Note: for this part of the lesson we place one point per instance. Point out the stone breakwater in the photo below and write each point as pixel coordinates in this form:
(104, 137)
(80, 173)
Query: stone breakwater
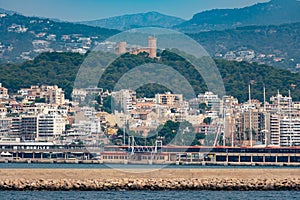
(152, 184)
(151, 179)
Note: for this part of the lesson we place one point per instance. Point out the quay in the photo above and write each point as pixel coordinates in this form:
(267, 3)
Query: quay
(47, 152)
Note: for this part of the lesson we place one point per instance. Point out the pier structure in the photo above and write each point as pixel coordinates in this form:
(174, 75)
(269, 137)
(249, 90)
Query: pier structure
(49, 152)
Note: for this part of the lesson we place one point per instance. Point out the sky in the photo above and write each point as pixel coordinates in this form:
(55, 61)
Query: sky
(81, 10)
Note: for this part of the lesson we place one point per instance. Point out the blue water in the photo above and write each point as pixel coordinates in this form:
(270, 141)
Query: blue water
(145, 195)
(118, 166)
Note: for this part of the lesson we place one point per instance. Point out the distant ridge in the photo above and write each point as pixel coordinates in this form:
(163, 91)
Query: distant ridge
(130, 21)
(274, 12)
(7, 11)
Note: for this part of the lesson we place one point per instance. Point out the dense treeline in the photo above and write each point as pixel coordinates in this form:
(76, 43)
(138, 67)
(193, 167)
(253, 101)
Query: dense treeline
(62, 68)
(47, 68)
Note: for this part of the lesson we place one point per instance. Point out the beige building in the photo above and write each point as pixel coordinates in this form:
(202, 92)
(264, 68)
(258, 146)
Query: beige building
(169, 99)
(3, 92)
(54, 95)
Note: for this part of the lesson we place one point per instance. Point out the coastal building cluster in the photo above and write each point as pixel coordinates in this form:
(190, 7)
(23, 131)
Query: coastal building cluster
(42, 113)
(249, 55)
(45, 40)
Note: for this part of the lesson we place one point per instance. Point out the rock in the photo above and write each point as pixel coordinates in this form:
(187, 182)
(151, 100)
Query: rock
(152, 184)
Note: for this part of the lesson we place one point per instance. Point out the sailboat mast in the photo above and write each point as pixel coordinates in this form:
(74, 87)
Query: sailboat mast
(250, 120)
(265, 116)
(279, 116)
(290, 120)
(224, 122)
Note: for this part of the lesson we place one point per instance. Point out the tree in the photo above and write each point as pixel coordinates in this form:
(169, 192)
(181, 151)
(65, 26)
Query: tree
(106, 107)
(40, 100)
(207, 120)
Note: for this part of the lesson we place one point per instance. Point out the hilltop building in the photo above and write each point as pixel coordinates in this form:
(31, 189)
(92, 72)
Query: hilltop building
(122, 48)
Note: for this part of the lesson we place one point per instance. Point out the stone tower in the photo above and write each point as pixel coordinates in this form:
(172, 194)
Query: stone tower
(152, 46)
(120, 48)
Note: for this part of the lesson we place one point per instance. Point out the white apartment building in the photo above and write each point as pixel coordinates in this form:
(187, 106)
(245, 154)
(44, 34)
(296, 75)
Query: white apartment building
(50, 126)
(86, 127)
(41, 127)
(290, 132)
(126, 99)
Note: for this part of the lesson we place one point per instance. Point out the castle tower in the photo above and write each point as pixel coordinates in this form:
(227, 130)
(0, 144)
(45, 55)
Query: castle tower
(152, 47)
(120, 48)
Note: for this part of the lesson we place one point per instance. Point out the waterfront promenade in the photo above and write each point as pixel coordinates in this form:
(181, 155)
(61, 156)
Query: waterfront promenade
(150, 179)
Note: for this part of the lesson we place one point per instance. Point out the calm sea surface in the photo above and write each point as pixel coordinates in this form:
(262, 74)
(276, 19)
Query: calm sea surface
(144, 195)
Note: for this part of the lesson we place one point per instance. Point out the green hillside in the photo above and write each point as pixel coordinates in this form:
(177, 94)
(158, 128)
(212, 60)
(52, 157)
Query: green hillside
(61, 69)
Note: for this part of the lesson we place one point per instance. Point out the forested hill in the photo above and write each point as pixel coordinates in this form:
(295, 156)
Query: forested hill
(274, 12)
(61, 69)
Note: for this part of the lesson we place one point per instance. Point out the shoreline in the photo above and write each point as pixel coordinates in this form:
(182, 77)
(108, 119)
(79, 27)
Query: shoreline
(145, 179)
(203, 163)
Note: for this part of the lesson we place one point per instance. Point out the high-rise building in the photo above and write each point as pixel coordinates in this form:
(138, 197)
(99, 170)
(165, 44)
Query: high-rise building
(50, 126)
(29, 127)
(5, 124)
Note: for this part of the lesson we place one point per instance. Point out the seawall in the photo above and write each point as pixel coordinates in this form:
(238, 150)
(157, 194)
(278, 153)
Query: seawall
(137, 179)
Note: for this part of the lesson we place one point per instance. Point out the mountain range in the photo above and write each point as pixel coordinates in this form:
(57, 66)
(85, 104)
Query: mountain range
(274, 12)
(125, 22)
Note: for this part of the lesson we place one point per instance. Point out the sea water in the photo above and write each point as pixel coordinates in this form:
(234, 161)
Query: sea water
(145, 195)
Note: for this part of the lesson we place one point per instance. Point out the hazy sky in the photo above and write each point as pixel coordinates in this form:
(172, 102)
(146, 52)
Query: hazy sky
(77, 10)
